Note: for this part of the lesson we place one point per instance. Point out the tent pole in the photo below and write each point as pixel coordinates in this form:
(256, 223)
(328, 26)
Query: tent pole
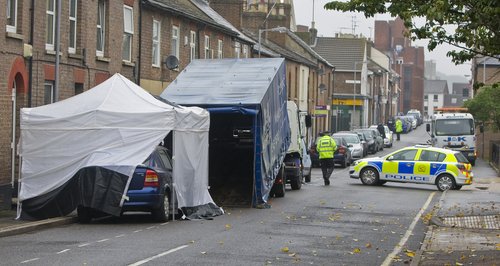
(19, 204)
(172, 191)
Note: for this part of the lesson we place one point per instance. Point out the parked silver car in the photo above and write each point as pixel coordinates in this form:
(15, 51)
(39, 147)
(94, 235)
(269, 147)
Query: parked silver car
(352, 139)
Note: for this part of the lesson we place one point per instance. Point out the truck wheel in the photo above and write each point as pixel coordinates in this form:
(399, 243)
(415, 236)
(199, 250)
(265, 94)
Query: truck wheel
(296, 183)
(369, 176)
(84, 214)
(307, 178)
(163, 213)
(445, 182)
(279, 190)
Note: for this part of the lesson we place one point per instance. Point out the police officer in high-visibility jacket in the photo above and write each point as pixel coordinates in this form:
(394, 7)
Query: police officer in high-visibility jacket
(326, 147)
(399, 128)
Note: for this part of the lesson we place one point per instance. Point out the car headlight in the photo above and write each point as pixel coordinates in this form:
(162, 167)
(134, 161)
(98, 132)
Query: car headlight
(356, 163)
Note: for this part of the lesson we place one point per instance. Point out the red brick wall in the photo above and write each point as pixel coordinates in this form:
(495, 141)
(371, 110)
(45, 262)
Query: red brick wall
(231, 10)
(382, 35)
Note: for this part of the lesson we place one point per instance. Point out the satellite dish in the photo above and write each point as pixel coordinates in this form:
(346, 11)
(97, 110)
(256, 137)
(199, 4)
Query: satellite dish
(171, 62)
(322, 87)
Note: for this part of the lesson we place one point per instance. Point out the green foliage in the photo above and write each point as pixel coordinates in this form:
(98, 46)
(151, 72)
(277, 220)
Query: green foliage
(477, 23)
(484, 106)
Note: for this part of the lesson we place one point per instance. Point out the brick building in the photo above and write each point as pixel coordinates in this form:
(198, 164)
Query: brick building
(97, 39)
(408, 61)
(309, 76)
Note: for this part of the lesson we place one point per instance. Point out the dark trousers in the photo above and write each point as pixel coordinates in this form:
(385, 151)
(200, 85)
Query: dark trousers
(327, 166)
(398, 133)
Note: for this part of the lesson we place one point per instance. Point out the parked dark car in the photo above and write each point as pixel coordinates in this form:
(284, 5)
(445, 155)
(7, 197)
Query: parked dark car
(313, 153)
(370, 139)
(149, 189)
(342, 155)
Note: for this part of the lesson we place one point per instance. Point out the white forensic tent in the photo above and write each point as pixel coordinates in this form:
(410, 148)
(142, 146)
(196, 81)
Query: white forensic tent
(115, 125)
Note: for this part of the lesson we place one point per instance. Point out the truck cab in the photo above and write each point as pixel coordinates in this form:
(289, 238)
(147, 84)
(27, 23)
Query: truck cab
(454, 130)
(296, 168)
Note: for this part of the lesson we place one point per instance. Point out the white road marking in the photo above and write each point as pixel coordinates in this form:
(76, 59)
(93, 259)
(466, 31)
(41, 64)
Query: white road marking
(62, 251)
(26, 261)
(164, 223)
(103, 240)
(137, 231)
(83, 245)
(158, 256)
(403, 240)
(122, 235)
(151, 227)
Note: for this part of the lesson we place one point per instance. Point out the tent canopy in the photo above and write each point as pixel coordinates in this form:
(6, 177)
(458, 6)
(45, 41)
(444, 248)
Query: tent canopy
(115, 125)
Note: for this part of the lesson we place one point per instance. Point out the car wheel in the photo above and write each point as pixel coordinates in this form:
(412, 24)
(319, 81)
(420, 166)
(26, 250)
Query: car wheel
(163, 213)
(84, 214)
(296, 183)
(344, 163)
(369, 176)
(445, 182)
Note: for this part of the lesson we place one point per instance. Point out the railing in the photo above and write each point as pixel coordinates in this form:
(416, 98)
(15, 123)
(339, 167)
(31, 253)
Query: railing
(495, 154)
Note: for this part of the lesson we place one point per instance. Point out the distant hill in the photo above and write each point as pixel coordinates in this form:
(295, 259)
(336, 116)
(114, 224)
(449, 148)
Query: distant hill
(451, 79)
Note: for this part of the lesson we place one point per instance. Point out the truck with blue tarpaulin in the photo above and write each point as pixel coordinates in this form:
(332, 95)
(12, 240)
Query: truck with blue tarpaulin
(249, 128)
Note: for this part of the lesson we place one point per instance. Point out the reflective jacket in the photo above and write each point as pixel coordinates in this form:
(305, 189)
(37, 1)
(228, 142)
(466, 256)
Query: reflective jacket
(326, 147)
(399, 126)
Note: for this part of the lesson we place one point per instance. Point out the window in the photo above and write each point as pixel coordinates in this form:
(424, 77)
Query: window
(426, 97)
(406, 155)
(128, 33)
(220, 49)
(156, 43)
(432, 156)
(245, 51)
(207, 47)
(453, 100)
(11, 16)
(435, 97)
(192, 46)
(72, 26)
(49, 92)
(175, 41)
(78, 88)
(237, 49)
(50, 25)
(101, 28)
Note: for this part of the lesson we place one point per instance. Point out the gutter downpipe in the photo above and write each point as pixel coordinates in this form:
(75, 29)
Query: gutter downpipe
(30, 60)
(140, 45)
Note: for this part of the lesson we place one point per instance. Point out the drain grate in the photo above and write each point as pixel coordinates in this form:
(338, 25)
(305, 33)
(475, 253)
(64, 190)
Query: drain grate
(474, 222)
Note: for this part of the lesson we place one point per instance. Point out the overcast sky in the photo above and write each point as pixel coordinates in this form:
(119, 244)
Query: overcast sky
(329, 22)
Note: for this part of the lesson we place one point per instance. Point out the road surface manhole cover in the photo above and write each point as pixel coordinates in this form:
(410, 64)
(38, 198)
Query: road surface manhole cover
(475, 222)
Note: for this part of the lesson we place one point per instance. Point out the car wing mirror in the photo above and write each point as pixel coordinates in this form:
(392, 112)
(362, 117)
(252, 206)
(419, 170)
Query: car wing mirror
(390, 158)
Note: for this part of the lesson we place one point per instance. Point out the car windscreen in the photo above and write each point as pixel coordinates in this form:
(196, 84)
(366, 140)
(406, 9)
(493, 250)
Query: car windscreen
(350, 139)
(454, 127)
(368, 135)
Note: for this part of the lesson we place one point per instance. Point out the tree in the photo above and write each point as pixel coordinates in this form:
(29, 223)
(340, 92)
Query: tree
(477, 22)
(484, 106)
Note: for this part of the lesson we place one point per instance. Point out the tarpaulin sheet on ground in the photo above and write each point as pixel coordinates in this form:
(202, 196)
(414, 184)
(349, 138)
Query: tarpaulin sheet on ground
(112, 127)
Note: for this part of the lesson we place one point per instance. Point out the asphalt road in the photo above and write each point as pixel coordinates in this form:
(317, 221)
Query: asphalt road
(346, 223)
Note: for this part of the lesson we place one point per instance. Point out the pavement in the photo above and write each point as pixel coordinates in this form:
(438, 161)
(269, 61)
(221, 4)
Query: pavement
(461, 231)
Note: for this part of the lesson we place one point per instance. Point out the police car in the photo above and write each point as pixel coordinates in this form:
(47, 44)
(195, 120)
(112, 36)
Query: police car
(422, 164)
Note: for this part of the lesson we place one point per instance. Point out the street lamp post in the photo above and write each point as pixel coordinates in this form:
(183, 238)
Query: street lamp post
(354, 96)
(333, 95)
(277, 29)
